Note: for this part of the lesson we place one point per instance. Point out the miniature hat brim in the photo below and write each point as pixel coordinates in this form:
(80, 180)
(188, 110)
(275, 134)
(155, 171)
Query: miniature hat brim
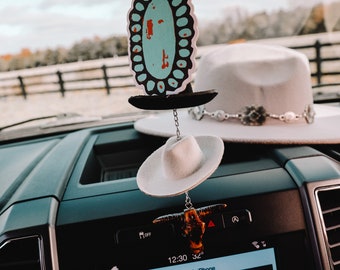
(172, 101)
(152, 181)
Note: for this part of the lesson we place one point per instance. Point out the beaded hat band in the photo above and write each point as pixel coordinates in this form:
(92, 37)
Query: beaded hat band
(253, 115)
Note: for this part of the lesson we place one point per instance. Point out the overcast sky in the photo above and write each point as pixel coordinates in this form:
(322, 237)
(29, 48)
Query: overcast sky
(41, 24)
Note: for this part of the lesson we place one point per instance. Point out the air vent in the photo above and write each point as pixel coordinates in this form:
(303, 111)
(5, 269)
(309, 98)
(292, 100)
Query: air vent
(329, 202)
(119, 173)
(21, 253)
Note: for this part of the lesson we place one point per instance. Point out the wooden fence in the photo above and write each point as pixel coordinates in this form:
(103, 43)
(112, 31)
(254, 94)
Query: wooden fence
(107, 77)
(319, 59)
(103, 77)
(325, 70)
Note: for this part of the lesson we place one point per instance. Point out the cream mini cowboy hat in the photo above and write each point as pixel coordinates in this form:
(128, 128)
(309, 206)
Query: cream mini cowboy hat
(180, 165)
(264, 96)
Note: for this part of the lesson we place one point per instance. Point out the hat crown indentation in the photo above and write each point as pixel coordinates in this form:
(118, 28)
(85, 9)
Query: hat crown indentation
(181, 158)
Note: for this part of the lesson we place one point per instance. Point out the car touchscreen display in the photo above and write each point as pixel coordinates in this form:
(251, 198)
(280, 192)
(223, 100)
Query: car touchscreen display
(259, 260)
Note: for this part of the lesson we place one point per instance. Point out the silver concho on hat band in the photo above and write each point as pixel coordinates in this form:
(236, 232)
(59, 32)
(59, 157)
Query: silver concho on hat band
(253, 115)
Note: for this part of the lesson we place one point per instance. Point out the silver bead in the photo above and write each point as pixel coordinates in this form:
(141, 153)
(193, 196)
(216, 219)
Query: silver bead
(219, 115)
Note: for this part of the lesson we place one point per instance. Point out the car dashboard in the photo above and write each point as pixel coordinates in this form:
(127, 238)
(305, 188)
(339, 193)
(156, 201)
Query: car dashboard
(71, 201)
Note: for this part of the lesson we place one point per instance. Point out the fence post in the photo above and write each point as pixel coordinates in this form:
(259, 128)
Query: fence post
(106, 79)
(61, 83)
(22, 87)
(318, 59)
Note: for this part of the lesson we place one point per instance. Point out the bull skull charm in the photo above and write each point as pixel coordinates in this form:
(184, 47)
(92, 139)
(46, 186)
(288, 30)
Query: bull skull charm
(193, 227)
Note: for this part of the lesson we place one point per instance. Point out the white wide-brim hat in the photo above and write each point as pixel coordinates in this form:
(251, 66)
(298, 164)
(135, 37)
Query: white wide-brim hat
(180, 165)
(264, 96)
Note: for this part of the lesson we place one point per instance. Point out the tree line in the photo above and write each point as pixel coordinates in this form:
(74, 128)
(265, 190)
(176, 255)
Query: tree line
(237, 24)
(87, 49)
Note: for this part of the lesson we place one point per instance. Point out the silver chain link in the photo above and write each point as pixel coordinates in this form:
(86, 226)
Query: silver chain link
(178, 133)
(188, 203)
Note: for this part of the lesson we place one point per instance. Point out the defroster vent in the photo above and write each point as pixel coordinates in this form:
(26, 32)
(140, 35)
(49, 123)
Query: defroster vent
(329, 202)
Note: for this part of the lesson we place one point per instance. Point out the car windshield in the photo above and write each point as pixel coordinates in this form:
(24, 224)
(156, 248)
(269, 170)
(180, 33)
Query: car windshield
(69, 59)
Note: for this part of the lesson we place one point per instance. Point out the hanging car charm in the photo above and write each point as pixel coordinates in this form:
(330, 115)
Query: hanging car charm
(162, 46)
(193, 228)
